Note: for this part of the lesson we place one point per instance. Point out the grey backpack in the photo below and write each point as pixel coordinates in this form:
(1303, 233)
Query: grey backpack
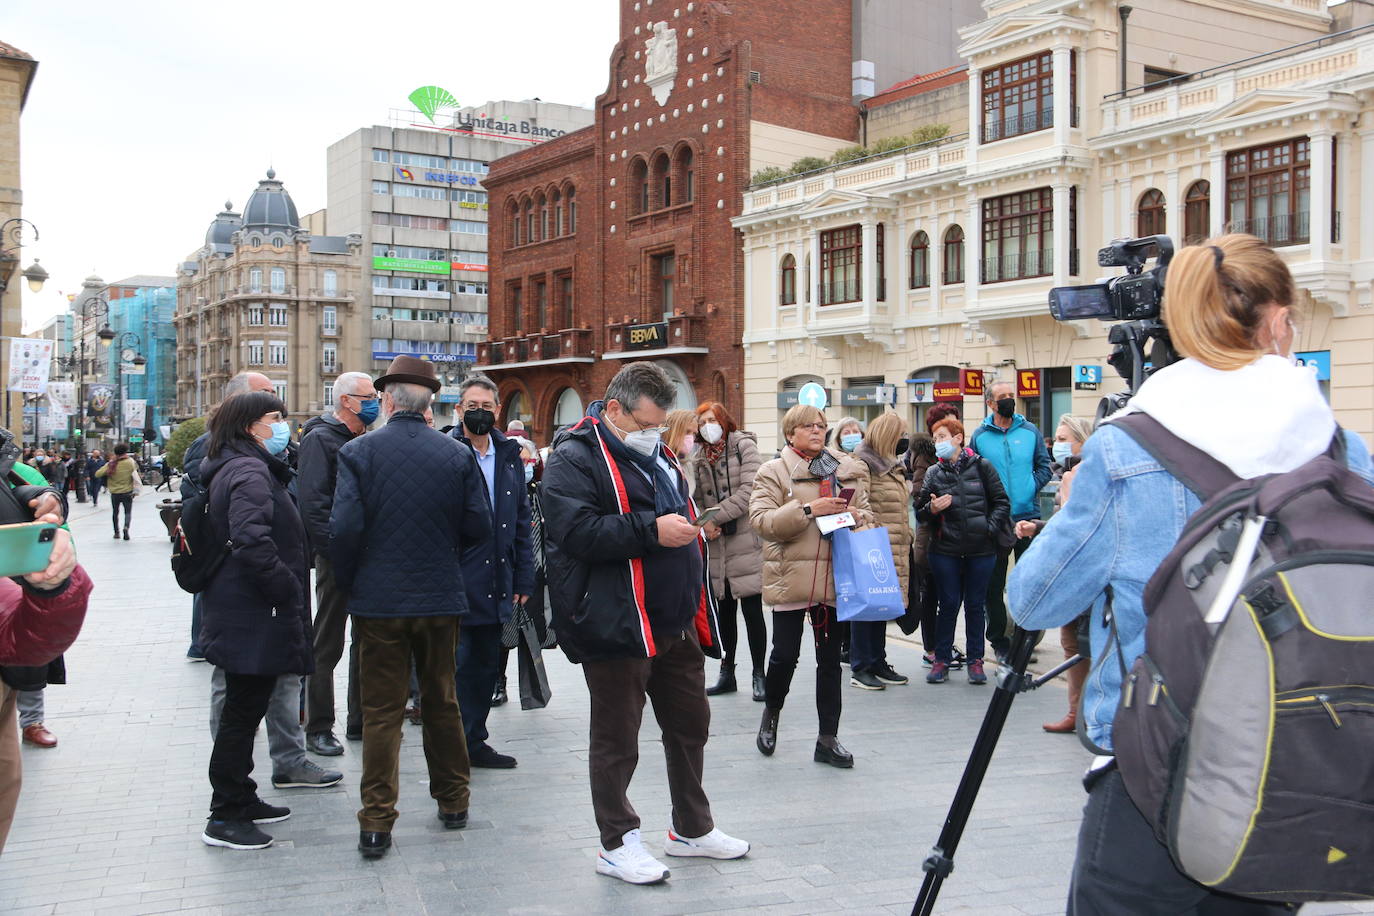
(1245, 733)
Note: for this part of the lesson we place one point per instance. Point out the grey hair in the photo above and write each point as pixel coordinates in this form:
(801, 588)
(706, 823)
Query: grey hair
(346, 380)
(845, 421)
(642, 380)
(239, 384)
(480, 381)
(987, 394)
(1079, 427)
(408, 397)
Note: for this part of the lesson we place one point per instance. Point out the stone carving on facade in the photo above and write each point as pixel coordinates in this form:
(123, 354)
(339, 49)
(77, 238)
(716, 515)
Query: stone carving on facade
(660, 61)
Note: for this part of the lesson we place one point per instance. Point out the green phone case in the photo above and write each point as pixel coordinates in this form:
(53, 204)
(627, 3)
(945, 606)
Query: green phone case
(25, 548)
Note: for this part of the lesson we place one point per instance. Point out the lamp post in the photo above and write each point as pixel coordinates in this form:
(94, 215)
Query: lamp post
(94, 307)
(129, 353)
(12, 231)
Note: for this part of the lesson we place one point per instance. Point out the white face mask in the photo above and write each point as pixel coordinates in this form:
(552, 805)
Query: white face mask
(711, 432)
(1291, 356)
(644, 441)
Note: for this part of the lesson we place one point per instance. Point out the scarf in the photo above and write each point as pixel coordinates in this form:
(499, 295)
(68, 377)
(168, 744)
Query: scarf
(714, 451)
(667, 497)
(823, 465)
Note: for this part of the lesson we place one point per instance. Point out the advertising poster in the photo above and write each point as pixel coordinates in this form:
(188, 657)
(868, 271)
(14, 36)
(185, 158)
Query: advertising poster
(30, 361)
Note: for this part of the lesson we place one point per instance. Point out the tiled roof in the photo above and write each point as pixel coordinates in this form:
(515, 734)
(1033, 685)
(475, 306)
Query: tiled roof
(9, 50)
(921, 81)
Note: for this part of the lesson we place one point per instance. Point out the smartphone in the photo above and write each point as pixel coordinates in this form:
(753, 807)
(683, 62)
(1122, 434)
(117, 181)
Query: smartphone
(847, 494)
(707, 515)
(25, 548)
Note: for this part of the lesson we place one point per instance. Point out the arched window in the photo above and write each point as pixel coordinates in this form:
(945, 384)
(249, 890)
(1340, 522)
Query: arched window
(542, 204)
(639, 187)
(568, 410)
(686, 175)
(1149, 214)
(663, 182)
(529, 223)
(559, 227)
(572, 209)
(954, 255)
(788, 286)
(1197, 212)
(919, 273)
(513, 219)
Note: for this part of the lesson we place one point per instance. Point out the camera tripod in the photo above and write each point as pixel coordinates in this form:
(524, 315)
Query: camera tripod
(1011, 680)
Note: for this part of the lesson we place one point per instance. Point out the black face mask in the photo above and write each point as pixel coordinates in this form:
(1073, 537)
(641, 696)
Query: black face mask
(1006, 408)
(478, 421)
(903, 444)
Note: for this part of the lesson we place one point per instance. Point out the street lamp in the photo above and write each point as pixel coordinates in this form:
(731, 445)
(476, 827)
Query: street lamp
(93, 307)
(13, 229)
(128, 341)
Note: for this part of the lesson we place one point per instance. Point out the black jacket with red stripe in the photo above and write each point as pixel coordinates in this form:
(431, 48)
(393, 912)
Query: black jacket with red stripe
(601, 541)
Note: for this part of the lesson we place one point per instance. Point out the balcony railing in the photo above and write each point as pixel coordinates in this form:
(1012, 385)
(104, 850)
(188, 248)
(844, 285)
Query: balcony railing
(1025, 123)
(1018, 266)
(1278, 231)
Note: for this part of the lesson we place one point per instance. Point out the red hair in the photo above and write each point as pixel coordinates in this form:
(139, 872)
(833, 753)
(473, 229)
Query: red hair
(727, 422)
(939, 412)
(950, 423)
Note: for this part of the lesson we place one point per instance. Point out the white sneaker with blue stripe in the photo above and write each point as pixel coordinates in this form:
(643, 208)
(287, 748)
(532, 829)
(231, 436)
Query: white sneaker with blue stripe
(714, 845)
(631, 862)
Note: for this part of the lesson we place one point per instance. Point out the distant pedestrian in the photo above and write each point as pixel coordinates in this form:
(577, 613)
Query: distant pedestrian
(94, 462)
(121, 476)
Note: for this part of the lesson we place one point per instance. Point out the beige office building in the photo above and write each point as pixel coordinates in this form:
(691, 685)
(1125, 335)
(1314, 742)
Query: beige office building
(16, 76)
(882, 280)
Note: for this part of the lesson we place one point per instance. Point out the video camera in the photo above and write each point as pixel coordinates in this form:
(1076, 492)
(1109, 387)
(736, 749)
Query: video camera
(15, 492)
(1134, 300)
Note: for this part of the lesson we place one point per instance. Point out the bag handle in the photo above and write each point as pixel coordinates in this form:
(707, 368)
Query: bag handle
(1194, 468)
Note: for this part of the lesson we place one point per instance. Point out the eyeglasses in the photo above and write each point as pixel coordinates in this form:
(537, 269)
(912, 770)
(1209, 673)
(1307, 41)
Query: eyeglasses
(817, 426)
(646, 429)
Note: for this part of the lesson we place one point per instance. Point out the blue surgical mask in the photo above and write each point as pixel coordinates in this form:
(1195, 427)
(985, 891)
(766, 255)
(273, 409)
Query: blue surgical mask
(945, 449)
(850, 441)
(1062, 452)
(369, 411)
(529, 473)
(281, 435)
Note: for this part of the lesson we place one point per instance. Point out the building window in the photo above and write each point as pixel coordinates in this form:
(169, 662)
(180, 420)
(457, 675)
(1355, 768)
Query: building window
(1149, 214)
(330, 358)
(559, 227)
(1018, 98)
(381, 155)
(663, 181)
(513, 224)
(685, 170)
(565, 302)
(255, 316)
(381, 187)
(541, 303)
(880, 236)
(278, 280)
(639, 187)
(331, 282)
(788, 294)
(255, 353)
(276, 353)
(665, 270)
(1268, 191)
(529, 218)
(279, 389)
(954, 255)
(1018, 236)
(1197, 212)
(542, 205)
(572, 211)
(841, 260)
(276, 317)
(328, 395)
(517, 309)
(278, 242)
(918, 272)
(329, 320)
(255, 280)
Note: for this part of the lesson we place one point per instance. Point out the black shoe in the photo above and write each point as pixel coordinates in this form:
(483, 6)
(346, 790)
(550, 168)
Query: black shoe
(726, 682)
(866, 680)
(116, 537)
(453, 820)
(373, 844)
(759, 687)
(767, 740)
(885, 674)
(830, 750)
(260, 812)
(499, 696)
(126, 534)
(844, 655)
(353, 734)
(483, 755)
(235, 835)
(324, 744)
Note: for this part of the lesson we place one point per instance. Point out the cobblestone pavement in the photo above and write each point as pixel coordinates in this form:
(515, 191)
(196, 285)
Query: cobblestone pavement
(110, 820)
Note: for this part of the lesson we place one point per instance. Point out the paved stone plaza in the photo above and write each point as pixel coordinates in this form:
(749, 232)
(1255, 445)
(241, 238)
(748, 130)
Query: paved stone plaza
(110, 820)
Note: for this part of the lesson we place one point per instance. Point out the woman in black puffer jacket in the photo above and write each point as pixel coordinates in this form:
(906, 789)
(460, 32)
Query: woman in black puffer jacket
(963, 501)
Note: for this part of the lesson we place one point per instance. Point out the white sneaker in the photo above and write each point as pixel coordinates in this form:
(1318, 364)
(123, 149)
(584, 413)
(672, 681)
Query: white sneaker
(714, 845)
(631, 862)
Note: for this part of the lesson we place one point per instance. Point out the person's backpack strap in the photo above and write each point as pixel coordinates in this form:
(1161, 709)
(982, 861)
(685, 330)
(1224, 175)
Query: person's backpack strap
(1194, 468)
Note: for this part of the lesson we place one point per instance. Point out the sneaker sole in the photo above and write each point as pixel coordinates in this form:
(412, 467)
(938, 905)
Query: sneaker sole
(271, 820)
(306, 785)
(899, 682)
(682, 850)
(854, 682)
(226, 844)
(612, 871)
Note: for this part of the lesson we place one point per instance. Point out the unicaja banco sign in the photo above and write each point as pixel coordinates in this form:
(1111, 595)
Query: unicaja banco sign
(430, 100)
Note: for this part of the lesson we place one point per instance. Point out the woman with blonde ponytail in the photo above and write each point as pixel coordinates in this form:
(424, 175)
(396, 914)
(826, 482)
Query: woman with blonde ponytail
(1239, 395)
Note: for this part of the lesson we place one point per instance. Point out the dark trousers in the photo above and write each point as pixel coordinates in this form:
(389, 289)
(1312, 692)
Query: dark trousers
(478, 667)
(674, 680)
(127, 501)
(195, 648)
(782, 664)
(93, 487)
(386, 645)
(331, 616)
(867, 645)
(232, 787)
(961, 581)
(930, 612)
(1121, 868)
(999, 632)
(755, 629)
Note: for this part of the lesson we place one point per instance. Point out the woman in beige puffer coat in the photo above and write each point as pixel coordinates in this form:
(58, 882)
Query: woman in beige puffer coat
(797, 576)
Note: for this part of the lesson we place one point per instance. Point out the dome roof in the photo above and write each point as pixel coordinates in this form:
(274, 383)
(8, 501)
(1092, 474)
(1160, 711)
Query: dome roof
(226, 223)
(270, 208)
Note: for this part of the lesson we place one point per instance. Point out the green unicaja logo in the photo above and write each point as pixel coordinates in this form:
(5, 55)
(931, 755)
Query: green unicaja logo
(430, 100)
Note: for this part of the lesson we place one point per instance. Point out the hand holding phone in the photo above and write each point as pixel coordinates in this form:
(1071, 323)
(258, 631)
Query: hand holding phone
(26, 548)
(707, 515)
(847, 494)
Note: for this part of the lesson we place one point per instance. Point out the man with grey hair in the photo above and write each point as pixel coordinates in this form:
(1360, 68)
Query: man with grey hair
(627, 580)
(291, 768)
(355, 409)
(407, 504)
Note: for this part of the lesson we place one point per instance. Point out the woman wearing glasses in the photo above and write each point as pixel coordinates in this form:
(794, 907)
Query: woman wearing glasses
(791, 493)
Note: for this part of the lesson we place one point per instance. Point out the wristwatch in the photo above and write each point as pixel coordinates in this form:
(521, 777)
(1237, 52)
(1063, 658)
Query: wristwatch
(806, 509)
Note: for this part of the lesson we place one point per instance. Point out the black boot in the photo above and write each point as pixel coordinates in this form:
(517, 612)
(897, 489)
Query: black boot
(499, 696)
(830, 750)
(758, 686)
(767, 741)
(726, 683)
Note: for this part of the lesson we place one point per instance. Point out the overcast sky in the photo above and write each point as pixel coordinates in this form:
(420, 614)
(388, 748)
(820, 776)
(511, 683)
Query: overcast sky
(146, 115)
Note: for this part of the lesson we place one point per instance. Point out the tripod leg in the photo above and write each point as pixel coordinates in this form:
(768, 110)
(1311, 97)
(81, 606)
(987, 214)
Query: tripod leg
(940, 862)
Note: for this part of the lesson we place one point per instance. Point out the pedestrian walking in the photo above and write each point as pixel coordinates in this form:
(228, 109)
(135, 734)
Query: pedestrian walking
(631, 604)
(725, 463)
(121, 476)
(407, 504)
(963, 501)
(791, 493)
(94, 481)
(256, 608)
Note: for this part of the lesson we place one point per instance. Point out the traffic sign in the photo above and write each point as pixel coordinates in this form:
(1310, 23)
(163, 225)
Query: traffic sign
(812, 395)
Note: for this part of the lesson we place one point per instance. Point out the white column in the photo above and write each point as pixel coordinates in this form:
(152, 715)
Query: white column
(935, 263)
(1108, 210)
(1063, 79)
(775, 288)
(868, 264)
(1060, 191)
(1127, 221)
(1319, 214)
(749, 303)
(1173, 203)
(900, 283)
(975, 115)
(815, 280)
(1217, 202)
(973, 252)
(1365, 190)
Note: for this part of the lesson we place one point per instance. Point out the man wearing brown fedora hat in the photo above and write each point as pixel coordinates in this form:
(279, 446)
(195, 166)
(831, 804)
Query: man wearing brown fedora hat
(408, 500)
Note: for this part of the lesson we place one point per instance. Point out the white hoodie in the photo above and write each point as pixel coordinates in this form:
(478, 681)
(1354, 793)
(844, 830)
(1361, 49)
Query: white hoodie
(1266, 418)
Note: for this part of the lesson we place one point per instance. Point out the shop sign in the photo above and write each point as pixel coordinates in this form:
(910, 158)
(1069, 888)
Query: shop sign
(1028, 383)
(920, 389)
(415, 265)
(464, 265)
(947, 391)
(810, 394)
(449, 394)
(1318, 361)
(971, 381)
(869, 395)
(646, 336)
(1086, 378)
(431, 357)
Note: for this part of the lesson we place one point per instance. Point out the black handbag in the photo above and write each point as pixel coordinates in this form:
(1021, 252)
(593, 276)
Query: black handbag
(534, 679)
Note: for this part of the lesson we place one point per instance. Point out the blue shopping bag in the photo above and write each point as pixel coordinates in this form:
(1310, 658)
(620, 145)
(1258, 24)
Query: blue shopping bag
(866, 582)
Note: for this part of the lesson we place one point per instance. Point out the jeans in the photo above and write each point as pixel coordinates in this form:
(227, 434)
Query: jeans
(478, 665)
(757, 632)
(867, 645)
(246, 698)
(782, 664)
(127, 501)
(285, 737)
(331, 617)
(93, 487)
(30, 707)
(195, 649)
(999, 633)
(930, 612)
(961, 580)
(1121, 868)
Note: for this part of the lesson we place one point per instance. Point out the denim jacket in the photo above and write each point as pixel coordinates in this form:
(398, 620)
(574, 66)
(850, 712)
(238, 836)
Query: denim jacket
(1124, 515)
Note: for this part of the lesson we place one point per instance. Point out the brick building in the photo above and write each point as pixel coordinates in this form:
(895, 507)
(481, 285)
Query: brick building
(614, 242)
